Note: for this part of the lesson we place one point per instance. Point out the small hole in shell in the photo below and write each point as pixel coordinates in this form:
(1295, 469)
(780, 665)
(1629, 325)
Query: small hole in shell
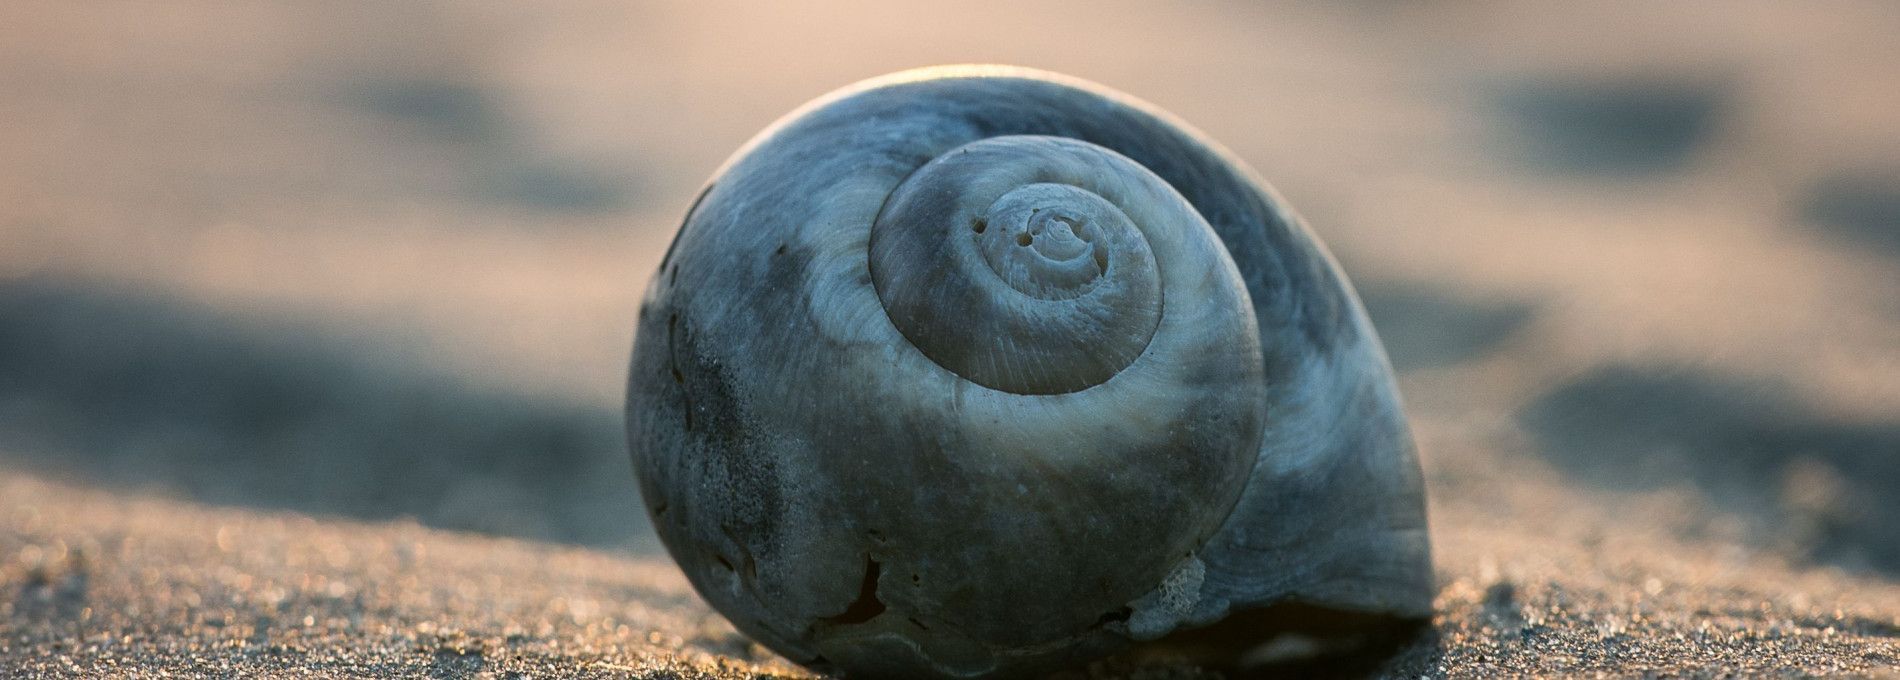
(1024, 239)
(979, 225)
(1118, 616)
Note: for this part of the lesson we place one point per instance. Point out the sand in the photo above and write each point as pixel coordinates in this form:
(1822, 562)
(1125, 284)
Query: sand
(314, 318)
(105, 584)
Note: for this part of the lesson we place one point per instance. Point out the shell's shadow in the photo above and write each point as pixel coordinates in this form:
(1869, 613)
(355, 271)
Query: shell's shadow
(130, 390)
(1815, 485)
(1289, 640)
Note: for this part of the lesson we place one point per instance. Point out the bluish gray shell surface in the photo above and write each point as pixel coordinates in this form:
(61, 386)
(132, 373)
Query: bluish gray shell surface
(988, 372)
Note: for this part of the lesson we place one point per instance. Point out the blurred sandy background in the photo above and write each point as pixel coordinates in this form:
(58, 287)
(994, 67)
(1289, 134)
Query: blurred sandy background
(1638, 263)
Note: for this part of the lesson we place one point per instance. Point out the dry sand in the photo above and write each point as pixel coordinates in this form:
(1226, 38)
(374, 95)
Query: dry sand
(103, 584)
(314, 317)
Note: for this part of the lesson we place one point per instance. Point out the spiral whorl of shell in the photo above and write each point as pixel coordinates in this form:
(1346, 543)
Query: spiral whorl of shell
(1020, 263)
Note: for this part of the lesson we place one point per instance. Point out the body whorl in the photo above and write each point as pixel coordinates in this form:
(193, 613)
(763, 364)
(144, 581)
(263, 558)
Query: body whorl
(829, 446)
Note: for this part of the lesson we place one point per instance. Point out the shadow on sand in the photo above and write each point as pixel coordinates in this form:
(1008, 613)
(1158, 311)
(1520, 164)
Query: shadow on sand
(1822, 486)
(1638, 126)
(1423, 326)
(505, 166)
(1858, 208)
(135, 391)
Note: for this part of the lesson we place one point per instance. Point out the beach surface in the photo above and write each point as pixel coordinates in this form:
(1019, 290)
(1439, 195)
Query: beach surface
(314, 318)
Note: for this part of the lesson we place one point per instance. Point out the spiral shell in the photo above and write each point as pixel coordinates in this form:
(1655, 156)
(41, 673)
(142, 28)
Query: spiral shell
(986, 371)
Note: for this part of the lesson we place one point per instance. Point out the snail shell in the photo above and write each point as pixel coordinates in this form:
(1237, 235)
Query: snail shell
(984, 371)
